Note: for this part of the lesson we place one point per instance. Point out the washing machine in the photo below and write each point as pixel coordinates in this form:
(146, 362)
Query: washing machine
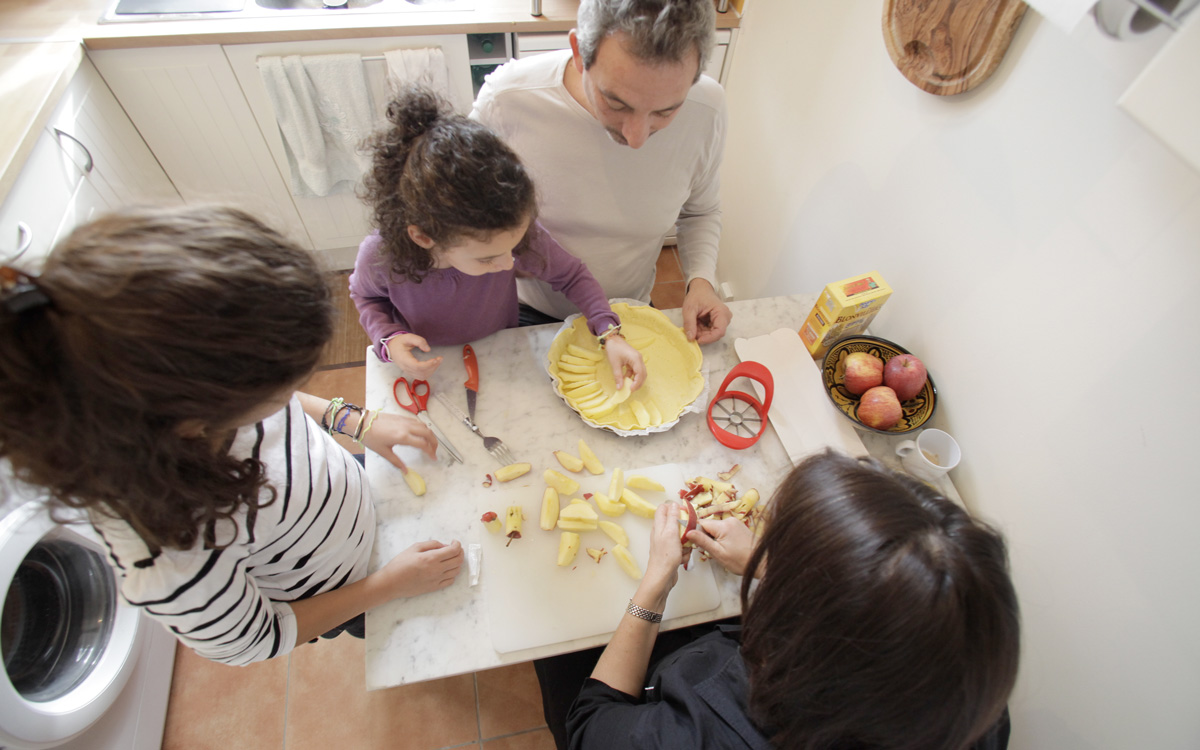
(82, 669)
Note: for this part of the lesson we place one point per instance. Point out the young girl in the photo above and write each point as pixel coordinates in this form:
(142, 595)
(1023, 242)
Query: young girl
(455, 214)
(147, 376)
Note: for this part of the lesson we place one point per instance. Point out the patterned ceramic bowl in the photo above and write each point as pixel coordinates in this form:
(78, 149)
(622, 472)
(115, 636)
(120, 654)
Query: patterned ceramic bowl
(917, 410)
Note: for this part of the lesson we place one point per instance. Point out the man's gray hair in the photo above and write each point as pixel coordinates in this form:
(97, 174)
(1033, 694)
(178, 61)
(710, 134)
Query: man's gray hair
(659, 31)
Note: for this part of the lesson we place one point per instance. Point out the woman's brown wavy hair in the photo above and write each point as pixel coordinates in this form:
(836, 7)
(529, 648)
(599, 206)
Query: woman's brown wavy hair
(885, 617)
(159, 318)
(445, 173)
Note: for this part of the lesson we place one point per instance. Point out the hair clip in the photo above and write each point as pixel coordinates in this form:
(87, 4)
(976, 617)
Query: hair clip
(19, 292)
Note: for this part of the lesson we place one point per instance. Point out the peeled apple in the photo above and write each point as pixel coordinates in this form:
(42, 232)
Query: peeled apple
(414, 482)
(512, 471)
(568, 547)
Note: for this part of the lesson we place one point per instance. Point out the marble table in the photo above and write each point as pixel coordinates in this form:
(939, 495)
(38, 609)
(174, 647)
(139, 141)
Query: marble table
(446, 633)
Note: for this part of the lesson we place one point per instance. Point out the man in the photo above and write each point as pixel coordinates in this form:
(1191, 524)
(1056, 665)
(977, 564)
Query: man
(624, 140)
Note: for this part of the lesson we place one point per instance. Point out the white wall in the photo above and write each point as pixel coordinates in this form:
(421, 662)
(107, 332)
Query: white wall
(1045, 255)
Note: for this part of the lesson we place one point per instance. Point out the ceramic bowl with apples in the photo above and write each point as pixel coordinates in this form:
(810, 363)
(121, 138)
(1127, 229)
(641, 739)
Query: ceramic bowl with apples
(878, 385)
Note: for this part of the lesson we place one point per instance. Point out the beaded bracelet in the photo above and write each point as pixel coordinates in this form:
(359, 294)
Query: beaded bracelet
(613, 330)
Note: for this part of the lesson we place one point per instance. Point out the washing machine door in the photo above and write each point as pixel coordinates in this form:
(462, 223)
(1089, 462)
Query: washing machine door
(69, 643)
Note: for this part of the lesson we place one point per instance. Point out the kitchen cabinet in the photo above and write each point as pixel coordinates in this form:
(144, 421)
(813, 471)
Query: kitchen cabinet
(205, 113)
(336, 224)
(187, 104)
(88, 158)
(531, 44)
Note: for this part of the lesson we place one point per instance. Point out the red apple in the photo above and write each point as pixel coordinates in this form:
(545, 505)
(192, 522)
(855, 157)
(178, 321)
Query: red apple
(879, 408)
(904, 374)
(862, 372)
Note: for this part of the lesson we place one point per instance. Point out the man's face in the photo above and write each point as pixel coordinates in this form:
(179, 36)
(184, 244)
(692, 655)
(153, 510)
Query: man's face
(631, 98)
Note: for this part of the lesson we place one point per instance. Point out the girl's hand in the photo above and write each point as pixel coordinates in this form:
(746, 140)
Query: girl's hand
(400, 350)
(389, 430)
(423, 567)
(728, 540)
(625, 361)
(666, 553)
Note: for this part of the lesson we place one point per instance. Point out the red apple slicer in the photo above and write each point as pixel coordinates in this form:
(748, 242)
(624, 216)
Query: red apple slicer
(737, 419)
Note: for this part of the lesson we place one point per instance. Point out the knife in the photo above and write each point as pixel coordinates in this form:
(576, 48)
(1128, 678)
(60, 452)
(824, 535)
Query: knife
(472, 383)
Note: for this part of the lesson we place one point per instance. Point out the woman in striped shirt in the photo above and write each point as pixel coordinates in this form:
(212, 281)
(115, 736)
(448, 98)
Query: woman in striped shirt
(148, 375)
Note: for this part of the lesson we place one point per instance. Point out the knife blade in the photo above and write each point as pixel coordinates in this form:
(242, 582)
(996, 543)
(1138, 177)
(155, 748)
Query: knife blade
(472, 383)
(443, 441)
(457, 412)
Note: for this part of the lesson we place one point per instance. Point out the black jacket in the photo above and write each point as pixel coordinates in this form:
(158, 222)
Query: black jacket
(696, 699)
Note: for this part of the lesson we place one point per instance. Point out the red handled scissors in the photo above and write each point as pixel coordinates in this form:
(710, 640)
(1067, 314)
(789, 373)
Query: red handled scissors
(413, 397)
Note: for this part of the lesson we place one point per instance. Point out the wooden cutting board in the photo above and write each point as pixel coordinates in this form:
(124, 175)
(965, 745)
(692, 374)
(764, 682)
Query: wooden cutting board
(532, 602)
(949, 46)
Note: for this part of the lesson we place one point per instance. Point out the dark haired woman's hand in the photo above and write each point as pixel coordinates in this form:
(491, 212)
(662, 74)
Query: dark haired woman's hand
(400, 350)
(666, 553)
(728, 540)
(625, 361)
(390, 430)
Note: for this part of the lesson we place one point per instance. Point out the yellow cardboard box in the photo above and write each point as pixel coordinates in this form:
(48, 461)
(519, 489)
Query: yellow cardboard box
(843, 309)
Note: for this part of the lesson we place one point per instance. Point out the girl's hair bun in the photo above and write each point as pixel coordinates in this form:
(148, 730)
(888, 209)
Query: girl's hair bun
(414, 111)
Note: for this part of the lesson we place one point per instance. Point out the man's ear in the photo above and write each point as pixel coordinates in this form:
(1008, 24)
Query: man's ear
(416, 235)
(577, 58)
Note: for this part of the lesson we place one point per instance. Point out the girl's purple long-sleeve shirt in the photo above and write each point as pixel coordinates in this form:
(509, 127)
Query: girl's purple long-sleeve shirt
(448, 307)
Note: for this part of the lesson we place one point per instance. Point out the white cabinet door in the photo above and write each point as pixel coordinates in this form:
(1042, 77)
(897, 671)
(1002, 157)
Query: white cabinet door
(32, 213)
(337, 223)
(186, 103)
(97, 135)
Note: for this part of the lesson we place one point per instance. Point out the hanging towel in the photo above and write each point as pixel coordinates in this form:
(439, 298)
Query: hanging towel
(324, 111)
(426, 66)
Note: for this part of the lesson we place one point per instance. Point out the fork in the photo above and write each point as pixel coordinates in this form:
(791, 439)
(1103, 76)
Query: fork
(494, 446)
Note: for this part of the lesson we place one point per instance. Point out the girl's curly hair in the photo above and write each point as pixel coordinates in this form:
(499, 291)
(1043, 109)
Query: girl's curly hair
(444, 173)
(157, 318)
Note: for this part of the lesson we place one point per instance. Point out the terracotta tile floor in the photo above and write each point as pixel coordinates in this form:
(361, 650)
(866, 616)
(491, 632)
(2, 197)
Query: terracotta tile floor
(315, 699)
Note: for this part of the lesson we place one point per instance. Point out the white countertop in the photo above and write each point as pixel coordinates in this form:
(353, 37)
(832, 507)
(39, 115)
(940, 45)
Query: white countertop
(446, 633)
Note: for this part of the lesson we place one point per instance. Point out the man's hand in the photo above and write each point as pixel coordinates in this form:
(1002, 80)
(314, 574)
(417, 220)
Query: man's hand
(705, 316)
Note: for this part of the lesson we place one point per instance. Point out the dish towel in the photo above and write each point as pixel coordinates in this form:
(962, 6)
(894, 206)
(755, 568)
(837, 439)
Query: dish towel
(426, 66)
(324, 111)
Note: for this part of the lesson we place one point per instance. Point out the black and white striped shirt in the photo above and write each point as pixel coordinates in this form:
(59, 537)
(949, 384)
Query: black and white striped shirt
(230, 605)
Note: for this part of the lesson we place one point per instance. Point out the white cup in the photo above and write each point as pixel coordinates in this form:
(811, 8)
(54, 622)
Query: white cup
(932, 455)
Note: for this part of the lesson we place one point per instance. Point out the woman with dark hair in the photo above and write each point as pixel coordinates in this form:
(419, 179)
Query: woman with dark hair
(883, 618)
(148, 376)
(455, 215)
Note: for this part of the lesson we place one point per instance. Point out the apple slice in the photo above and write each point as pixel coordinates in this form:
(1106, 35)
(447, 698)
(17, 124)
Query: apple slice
(415, 482)
(549, 515)
(617, 484)
(578, 510)
(627, 563)
(607, 506)
(569, 462)
(561, 482)
(639, 482)
(615, 532)
(568, 547)
(590, 462)
(491, 521)
(567, 524)
(512, 471)
(596, 554)
(579, 351)
(636, 504)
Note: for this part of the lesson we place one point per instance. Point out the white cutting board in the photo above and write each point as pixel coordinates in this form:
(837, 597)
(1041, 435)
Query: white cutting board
(801, 413)
(532, 602)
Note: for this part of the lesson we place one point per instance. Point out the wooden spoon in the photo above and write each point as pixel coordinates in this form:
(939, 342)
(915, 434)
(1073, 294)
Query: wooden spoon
(949, 46)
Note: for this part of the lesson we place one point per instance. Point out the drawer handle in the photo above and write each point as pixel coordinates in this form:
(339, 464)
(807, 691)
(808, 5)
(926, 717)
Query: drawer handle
(24, 241)
(87, 168)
